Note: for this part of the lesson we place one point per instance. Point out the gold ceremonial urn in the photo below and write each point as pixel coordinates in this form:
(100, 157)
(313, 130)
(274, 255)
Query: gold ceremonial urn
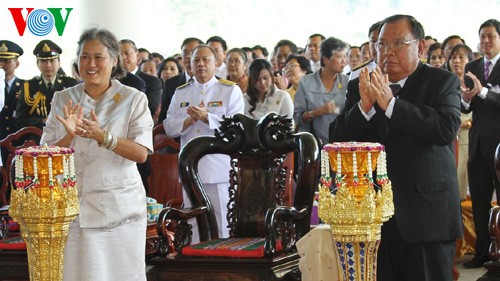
(44, 201)
(356, 205)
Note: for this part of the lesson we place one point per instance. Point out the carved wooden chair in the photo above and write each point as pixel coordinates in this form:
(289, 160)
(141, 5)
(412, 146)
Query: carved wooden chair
(257, 181)
(13, 260)
(493, 267)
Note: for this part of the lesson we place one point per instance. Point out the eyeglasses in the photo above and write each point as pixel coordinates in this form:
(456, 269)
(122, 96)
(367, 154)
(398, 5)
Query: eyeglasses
(235, 62)
(383, 46)
(291, 66)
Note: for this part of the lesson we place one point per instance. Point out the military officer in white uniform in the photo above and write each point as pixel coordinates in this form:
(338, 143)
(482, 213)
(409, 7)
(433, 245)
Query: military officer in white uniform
(196, 110)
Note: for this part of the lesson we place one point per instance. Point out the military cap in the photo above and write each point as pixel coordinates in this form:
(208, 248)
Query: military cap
(46, 50)
(9, 50)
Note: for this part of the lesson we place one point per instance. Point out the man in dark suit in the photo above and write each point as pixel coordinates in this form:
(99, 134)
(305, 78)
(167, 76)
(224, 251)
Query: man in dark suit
(417, 123)
(9, 54)
(134, 81)
(129, 56)
(33, 104)
(483, 99)
(171, 84)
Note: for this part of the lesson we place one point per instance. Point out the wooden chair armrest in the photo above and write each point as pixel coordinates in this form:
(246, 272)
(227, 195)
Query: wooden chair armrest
(183, 234)
(283, 217)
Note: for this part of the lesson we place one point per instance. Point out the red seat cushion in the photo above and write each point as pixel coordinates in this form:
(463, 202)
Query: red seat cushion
(14, 243)
(229, 247)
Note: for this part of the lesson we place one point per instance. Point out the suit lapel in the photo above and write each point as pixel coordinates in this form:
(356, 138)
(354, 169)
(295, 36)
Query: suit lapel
(413, 82)
(495, 72)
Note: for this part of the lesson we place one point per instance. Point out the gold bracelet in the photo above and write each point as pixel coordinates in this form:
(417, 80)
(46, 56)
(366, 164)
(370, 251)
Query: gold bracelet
(106, 139)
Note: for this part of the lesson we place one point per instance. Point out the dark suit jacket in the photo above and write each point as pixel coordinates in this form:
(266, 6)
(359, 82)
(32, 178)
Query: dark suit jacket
(485, 130)
(28, 114)
(153, 90)
(420, 156)
(168, 92)
(134, 81)
(7, 121)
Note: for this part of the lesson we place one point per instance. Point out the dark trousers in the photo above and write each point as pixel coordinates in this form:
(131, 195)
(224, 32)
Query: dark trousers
(145, 171)
(482, 182)
(399, 260)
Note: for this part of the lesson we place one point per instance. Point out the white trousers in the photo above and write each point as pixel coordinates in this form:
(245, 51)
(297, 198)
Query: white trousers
(219, 197)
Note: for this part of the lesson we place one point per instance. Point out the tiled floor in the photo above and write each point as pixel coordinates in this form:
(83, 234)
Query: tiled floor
(468, 274)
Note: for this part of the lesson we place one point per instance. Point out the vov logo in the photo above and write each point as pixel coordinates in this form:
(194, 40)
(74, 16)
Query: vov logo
(40, 22)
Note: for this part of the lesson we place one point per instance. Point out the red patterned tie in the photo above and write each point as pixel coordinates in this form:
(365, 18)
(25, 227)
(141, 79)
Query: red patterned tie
(487, 70)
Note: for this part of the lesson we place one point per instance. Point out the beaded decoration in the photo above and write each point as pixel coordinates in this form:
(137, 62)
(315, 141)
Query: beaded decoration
(23, 180)
(381, 171)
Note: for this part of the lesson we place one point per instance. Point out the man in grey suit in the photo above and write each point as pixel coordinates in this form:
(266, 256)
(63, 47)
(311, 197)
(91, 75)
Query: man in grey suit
(414, 110)
(482, 97)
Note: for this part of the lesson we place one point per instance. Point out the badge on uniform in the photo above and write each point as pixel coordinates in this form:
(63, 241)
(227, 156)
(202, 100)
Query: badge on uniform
(185, 104)
(215, 104)
(117, 97)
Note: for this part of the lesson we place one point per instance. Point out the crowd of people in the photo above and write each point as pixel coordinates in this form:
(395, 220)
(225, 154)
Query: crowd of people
(400, 88)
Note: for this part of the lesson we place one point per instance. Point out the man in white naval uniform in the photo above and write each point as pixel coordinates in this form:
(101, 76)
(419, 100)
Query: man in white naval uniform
(196, 110)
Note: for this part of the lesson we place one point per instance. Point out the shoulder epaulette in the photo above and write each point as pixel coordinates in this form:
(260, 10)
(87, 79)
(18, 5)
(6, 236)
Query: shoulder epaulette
(185, 85)
(226, 82)
(362, 65)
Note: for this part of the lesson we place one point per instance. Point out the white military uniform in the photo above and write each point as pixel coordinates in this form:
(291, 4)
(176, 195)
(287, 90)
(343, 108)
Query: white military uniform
(355, 72)
(220, 97)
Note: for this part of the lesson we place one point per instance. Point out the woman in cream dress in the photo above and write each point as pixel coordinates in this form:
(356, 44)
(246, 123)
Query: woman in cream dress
(110, 127)
(263, 96)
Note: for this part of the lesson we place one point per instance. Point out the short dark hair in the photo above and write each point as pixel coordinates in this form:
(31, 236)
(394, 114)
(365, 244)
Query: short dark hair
(263, 49)
(218, 39)
(128, 41)
(432, 48)
(430, 37)
(144, 50)
(247, 49)
(286, 42)
(189, 40)
(329, 45)
(316, 35)
(156, 55)
(302, 61)
(491, 22)
(451, 37)
(145, 61)
(375, 26)
(417, 28)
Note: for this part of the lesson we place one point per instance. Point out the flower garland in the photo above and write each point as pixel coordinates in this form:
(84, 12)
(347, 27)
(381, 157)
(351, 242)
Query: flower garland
(370, 170)
(382, 177)
(325, 180)
(355, 179)
(381, 168)
(22, 181)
